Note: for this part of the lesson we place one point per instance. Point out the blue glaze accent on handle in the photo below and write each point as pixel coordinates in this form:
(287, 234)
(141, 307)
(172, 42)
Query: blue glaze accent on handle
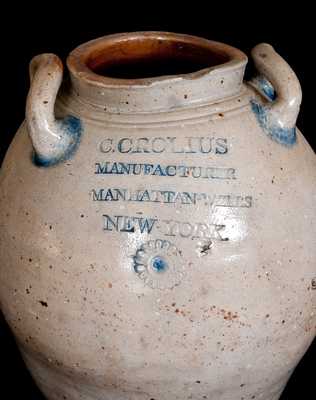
(277, 112)
(71, 127)
(285, 136)
(266, 87)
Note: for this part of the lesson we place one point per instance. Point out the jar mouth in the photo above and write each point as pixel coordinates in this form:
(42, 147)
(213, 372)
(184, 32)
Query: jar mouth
(144, 57)
(154, 71)
(153, 56)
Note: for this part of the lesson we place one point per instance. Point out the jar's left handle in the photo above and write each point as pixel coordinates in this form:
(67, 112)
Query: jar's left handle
(54, 140)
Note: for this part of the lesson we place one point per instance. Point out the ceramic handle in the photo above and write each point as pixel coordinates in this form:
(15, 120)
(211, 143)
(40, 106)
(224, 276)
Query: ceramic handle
(283, 91)
(53, 140)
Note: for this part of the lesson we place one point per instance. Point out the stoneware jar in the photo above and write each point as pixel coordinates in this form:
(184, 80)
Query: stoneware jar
(158, 223)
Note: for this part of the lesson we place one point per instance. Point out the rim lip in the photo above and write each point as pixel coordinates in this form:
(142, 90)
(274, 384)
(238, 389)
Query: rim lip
(77, 59)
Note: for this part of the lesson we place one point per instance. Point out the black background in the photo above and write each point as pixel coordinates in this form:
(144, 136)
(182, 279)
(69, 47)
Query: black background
(290, 32)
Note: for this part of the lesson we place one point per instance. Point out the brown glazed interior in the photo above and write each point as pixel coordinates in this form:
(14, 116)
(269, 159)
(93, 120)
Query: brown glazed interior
(142, 55)
(151, 57)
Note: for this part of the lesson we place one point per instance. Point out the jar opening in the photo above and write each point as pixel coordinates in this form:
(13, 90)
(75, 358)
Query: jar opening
(152, 57)
(143, 72)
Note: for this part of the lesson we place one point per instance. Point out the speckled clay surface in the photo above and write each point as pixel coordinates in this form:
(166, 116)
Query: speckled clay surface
(158, 237)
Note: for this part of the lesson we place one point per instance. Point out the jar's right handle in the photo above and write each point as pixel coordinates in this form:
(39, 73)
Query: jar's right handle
(276, 79)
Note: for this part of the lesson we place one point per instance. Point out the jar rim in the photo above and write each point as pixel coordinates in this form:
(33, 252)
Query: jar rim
(154, 94)
(85, 59)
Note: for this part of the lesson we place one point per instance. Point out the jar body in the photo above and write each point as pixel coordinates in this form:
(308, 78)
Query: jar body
(167, 258)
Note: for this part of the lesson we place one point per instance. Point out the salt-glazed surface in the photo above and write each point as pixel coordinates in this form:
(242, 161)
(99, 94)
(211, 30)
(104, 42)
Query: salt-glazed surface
(158, 230)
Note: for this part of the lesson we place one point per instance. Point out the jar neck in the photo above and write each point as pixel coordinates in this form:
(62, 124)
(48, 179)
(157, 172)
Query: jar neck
(220, 74)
